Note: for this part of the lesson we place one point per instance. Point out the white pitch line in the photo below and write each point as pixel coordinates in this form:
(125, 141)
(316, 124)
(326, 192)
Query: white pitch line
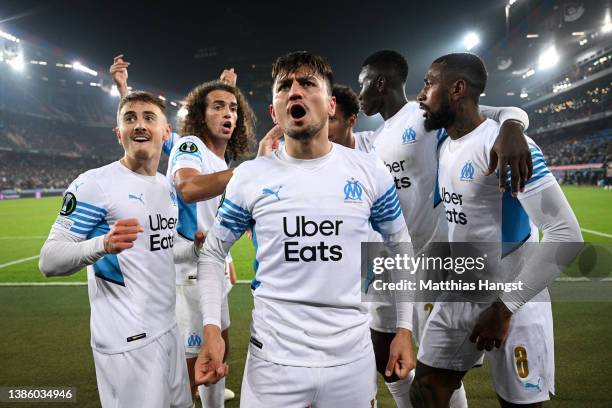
(601, 234)
(18, 261)
(25, 237)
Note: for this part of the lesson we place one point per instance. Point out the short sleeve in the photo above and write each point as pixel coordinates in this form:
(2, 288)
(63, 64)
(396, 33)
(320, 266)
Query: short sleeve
(386, 214)
(541, 176)
(84, 209)
(233, 215)
(187, 154)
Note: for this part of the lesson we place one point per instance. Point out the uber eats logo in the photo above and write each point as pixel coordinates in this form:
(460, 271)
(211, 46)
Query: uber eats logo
(69, 204)
(300, 227)
(188, 147)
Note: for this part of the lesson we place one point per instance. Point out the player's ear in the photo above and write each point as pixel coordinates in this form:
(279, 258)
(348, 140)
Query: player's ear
(272, 114)
(331, 108)
(167, 132)
(381, 83)
(352, 120)
(117, 133)
(459, 89)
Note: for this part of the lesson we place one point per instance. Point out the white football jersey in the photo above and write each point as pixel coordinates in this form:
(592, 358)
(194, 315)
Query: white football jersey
(190, 152)
(409, 153)
(364, 141)
(132, 294)
(308, 219)
(475, 209)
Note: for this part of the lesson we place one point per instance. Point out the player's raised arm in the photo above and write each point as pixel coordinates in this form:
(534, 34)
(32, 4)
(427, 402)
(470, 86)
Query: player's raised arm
(119, 74)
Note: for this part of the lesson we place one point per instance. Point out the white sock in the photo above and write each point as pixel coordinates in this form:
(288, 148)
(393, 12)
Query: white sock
(400, 391)
(213, 396)
(458, 399)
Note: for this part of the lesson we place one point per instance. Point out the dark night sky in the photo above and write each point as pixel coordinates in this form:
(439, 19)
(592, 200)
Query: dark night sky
(161, 41)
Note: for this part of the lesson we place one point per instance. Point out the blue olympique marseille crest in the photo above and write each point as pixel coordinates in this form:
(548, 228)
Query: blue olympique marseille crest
(194, 340)
(467, 172)
(173, 197)
(353, 190)
(409, 136)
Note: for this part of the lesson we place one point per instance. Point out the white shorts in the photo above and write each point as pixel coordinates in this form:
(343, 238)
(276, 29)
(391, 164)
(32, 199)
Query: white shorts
(154, 375)
(523, 369)
(189, 318)
(266, 384)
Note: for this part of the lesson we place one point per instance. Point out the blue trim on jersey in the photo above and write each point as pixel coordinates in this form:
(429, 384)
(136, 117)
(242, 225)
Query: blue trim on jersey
(237, 208)
(88, 220)
(393, 207)
(79, 231)
(107, 268)
(255, 283)
(188, 219)
(227, 212)
(91, 207)
(390, 205)
(238, 229)
(437, 198)
(516, 228)
(386, 195)
(539, 166)
(97, 216)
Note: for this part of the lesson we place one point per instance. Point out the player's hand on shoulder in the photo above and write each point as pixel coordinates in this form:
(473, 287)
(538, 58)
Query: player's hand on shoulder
(401, 354)
(229, 76)
(209, 366)
(491, 328)
(119, 72)
(270, 141)
(511, 149)
(122, 235)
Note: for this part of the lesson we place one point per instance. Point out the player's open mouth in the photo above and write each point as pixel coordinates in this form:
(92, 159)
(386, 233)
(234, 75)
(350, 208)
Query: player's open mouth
(140, 138)
(297, 111)
(227, 127)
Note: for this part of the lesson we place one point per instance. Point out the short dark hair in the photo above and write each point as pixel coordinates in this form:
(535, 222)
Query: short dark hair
(142, 96)
(389, 60)
(346, 99)
(291, 62)
(466, 66)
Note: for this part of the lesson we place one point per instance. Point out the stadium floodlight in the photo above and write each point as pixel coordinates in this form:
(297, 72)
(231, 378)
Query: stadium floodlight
(181, 112)
(529, 73)
(511, 2)
(578, 33)
(532, 36)
(114, 91)
(483, 94)
(549, 58)
(80, 67)
(471, 40)
(524, 95)
(607, 26)
(172, 103)
(8, 36)
(16, 62)
(161, 97)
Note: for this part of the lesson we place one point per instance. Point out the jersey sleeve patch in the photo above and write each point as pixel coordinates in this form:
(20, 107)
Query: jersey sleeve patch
(78, 216)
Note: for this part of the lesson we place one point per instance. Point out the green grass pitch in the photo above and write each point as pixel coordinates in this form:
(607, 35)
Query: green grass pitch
(44, 331)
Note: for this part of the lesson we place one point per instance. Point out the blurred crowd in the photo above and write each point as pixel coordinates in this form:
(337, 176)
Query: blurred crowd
(576, 105)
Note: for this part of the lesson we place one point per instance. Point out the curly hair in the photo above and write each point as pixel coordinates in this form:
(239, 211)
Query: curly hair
(194, 122)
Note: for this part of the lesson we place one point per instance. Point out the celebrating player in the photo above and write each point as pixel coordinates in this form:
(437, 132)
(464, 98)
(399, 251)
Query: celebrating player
(218, 124)
(523, 365)
(409, 152)
(120, 220)
(309, 205)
